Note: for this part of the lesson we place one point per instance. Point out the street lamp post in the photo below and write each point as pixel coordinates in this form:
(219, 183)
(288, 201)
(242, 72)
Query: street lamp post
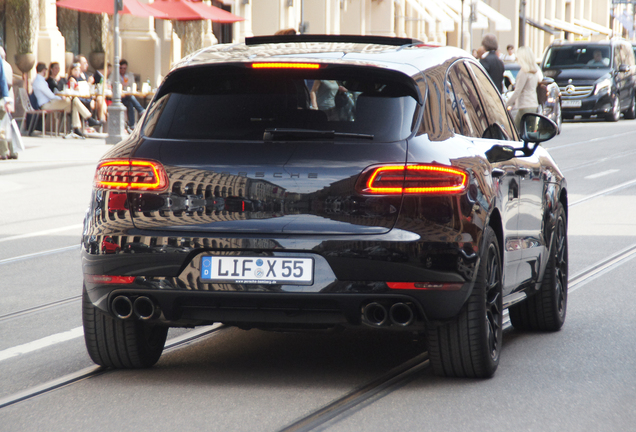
(522, 23)
(116, 109)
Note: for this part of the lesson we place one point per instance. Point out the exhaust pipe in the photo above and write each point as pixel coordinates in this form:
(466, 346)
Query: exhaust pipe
(401, 314)
(375, 314)
(144, 308)
(122, 307)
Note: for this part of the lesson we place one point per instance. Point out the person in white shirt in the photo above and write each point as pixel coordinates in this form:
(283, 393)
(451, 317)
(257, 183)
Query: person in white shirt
(525, 94)
(509, 56)
(598, 60)
(50, 101)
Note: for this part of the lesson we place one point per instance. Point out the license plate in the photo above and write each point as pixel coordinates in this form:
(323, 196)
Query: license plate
(257, 270)
(571, 104)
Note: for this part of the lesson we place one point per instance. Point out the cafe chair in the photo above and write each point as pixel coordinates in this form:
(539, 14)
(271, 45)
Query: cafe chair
(35, 116)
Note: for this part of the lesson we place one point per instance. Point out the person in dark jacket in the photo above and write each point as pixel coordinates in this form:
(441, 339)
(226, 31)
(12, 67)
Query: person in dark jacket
(491, 62)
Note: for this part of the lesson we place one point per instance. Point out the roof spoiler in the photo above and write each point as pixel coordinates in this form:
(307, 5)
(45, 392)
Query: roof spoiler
(376, 40)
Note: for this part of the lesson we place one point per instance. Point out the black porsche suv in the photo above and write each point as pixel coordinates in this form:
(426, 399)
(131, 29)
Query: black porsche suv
(595, 78)
(316, 182)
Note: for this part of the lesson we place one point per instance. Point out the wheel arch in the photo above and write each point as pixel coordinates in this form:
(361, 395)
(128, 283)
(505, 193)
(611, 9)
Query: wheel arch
(496, 224)
(563, 199)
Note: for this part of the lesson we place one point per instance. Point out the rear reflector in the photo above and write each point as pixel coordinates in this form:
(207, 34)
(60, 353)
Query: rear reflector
(431, 286)
(131, 175)
(106, 279)
(412, 179)
(285, 65)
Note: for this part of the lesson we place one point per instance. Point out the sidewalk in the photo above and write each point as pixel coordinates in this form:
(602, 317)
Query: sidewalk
(57, 149)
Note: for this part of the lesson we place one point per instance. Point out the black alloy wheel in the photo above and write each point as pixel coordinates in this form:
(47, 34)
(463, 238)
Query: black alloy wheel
(615, 114)
(121, 344)
(546, 310)
(470, 345)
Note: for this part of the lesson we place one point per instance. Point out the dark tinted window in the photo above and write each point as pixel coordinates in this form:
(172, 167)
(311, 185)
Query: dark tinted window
(437, 120)
(467, 107)
(494, 107)
(240, 104)
(578, 56)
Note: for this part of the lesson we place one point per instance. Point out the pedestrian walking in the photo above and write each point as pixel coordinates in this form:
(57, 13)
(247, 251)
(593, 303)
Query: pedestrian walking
(525, 94)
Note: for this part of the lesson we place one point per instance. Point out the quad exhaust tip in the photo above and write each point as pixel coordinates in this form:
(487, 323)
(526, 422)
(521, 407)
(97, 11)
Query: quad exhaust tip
(375, 314)
(122, 307)
(143, 307)
(401, 314)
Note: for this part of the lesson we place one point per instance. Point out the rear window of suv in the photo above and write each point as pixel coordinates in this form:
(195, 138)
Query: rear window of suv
(578, 56)
(238, 103)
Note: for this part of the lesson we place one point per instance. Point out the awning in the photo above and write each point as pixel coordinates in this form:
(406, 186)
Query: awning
(415, 4)
(501, 22)
(593, 26)
(450, 12)
(568, 27)
(541, 26)
(448, 24)
(484, 14)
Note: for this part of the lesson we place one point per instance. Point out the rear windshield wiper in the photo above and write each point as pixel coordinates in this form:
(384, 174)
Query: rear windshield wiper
(300, 134)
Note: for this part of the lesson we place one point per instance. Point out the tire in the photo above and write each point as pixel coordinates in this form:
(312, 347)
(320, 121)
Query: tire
(615, 115)
(470, 345)
(630, 114)
(121, 344)
(546, 309)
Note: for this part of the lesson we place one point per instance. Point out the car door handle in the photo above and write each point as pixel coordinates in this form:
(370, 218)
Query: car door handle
(497, 172)
(522, 172)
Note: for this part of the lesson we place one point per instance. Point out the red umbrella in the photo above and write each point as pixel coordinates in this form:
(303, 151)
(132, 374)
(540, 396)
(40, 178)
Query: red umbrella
(131, 7)
(186, 10)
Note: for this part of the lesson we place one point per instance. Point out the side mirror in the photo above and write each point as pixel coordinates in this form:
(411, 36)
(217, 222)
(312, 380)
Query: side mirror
(499, 153)
(547, 80)
(623, 68)
(535, 129)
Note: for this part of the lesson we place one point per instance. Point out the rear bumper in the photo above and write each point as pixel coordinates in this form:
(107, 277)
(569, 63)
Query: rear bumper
(267, 309)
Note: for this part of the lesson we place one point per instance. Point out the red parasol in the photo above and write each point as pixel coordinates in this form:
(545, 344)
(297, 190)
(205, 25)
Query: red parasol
(131, 7)
(186, 10)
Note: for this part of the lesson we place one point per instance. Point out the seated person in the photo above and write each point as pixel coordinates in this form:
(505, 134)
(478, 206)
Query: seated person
(598, 60)
(83, 67)
(130, 101)
(98, 76)
(101, 107)
(55, 81)
(49, 101)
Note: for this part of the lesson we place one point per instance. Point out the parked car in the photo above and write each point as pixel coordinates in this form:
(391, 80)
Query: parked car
(595, 78)
(421, 209)
(549, 101)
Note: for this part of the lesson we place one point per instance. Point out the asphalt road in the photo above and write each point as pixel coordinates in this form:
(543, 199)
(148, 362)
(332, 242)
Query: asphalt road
(580, 378)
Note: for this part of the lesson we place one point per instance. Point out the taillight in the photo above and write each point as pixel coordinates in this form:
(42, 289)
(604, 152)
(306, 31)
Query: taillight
(412, 179)
(432, 286)
(108, 279)
(282, 65)
(131, 175)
